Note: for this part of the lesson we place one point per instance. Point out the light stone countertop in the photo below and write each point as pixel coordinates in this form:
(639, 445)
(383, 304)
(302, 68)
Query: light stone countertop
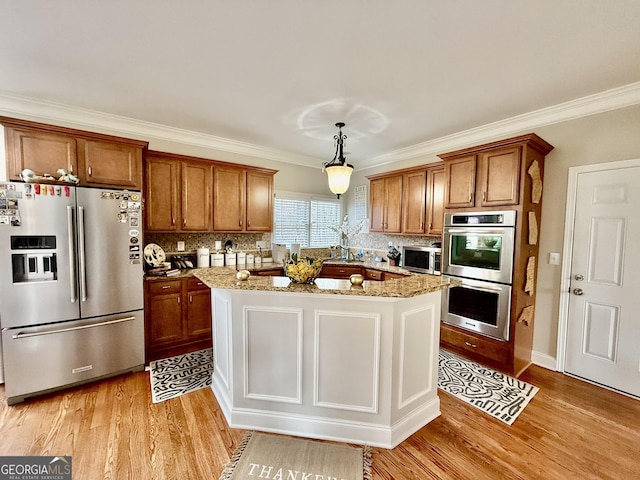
(409, 286)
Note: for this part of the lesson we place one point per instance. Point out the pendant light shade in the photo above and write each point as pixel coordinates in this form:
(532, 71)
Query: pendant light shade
(338, 170)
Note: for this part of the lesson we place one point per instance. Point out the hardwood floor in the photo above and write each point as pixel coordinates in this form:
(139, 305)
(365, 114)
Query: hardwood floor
(112, 430)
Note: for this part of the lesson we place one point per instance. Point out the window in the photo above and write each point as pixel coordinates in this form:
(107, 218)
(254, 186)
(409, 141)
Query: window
(305, 219)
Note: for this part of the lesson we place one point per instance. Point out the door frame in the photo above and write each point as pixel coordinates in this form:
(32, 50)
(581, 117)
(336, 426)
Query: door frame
(567, 248)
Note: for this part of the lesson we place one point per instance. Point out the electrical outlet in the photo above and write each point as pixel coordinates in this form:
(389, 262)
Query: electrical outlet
(554, 258)
(261, 244)
(180, 246)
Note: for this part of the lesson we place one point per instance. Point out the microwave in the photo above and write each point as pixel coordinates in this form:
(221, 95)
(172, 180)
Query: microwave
(421, 259)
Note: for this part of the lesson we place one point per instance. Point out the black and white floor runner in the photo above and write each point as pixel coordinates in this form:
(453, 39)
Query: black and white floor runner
(175, 376)
(495, 393)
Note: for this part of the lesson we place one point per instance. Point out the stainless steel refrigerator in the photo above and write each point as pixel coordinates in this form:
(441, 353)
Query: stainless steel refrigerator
(71, 301)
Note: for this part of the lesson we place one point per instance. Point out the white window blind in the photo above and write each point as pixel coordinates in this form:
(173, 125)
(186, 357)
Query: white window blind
(305, 219)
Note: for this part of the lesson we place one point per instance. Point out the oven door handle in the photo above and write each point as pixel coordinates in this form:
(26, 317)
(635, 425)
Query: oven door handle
(477, 230)
(482, 289)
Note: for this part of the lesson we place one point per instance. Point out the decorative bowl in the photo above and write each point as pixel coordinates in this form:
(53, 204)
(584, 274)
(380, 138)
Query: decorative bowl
(303, 270)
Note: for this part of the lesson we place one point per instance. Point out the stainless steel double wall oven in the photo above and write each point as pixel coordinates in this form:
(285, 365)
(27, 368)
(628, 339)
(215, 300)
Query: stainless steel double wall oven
(478, 249)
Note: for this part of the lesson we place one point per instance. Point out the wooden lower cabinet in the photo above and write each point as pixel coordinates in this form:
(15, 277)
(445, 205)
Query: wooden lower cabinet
(339, 271)
(484, 350)
(177, 317)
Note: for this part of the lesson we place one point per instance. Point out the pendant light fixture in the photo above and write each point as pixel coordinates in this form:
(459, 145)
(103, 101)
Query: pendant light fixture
(338, 170)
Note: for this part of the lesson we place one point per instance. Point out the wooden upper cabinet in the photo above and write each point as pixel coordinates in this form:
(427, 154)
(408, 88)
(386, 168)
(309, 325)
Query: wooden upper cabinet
(460, 182)
(259, 201)
(229, 184)
(110, 164)
(409, 201)
(243, 199)
(42, 152)
(499, 177)
(96, 159)
(386, 204)
(489, 175)
(162, 181)
(414, 202)
(435, 200)
(196, 196)
(177, 193)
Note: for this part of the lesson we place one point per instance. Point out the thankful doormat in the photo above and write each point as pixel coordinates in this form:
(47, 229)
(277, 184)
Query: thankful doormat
(263, 456)
(495, 393)
(175, 376)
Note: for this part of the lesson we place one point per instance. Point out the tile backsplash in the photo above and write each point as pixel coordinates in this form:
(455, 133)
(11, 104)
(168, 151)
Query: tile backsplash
(375, 243)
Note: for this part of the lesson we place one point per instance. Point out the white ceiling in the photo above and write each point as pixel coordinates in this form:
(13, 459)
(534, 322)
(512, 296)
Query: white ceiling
(279, 74)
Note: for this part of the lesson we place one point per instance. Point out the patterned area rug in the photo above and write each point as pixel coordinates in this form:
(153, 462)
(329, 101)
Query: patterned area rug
(175, 376)
(495, 393)
(279, 457)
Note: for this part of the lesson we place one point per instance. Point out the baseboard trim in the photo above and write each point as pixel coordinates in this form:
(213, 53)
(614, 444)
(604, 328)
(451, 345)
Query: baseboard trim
(543, 360)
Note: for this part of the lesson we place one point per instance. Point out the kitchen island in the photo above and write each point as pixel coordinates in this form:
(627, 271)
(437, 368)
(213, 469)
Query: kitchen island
(330, 360)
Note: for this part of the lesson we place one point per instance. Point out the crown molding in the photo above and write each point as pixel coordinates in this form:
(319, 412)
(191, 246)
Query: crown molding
(84, 119)
(613, 99)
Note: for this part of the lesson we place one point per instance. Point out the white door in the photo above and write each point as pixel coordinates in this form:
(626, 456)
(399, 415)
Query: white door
(603, 330)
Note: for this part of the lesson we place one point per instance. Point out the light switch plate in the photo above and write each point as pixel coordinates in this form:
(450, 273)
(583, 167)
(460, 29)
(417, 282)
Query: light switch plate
(554, 258)
(261, 244)
(181, 246)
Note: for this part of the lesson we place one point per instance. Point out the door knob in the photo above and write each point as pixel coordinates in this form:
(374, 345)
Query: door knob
(579, 277)
(578, 291)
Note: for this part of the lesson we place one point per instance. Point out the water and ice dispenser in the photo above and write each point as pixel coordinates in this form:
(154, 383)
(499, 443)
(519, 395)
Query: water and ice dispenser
(33, 258)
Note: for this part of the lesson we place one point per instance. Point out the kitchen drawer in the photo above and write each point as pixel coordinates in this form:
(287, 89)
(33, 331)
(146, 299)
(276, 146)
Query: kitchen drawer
(165, 286)
(370, 274)
(478, 346)
(196, 284)
(339, 271)
(271, 272)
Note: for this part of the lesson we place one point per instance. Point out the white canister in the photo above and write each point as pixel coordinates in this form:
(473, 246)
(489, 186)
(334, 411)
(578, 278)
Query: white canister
(241, 258)
(295, 249)
(203, 257)
(249, 258)
(230, 259)
(217, 260)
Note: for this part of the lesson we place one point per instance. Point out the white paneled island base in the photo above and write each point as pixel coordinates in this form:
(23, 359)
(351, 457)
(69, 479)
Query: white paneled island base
(348, 368)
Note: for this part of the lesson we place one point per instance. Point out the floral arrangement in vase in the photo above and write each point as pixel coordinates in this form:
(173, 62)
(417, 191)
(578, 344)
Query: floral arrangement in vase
(345, 230)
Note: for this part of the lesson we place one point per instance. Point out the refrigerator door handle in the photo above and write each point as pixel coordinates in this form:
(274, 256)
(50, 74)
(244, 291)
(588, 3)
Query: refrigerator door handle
(20, 335)
(82, 258)
(72, 255)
